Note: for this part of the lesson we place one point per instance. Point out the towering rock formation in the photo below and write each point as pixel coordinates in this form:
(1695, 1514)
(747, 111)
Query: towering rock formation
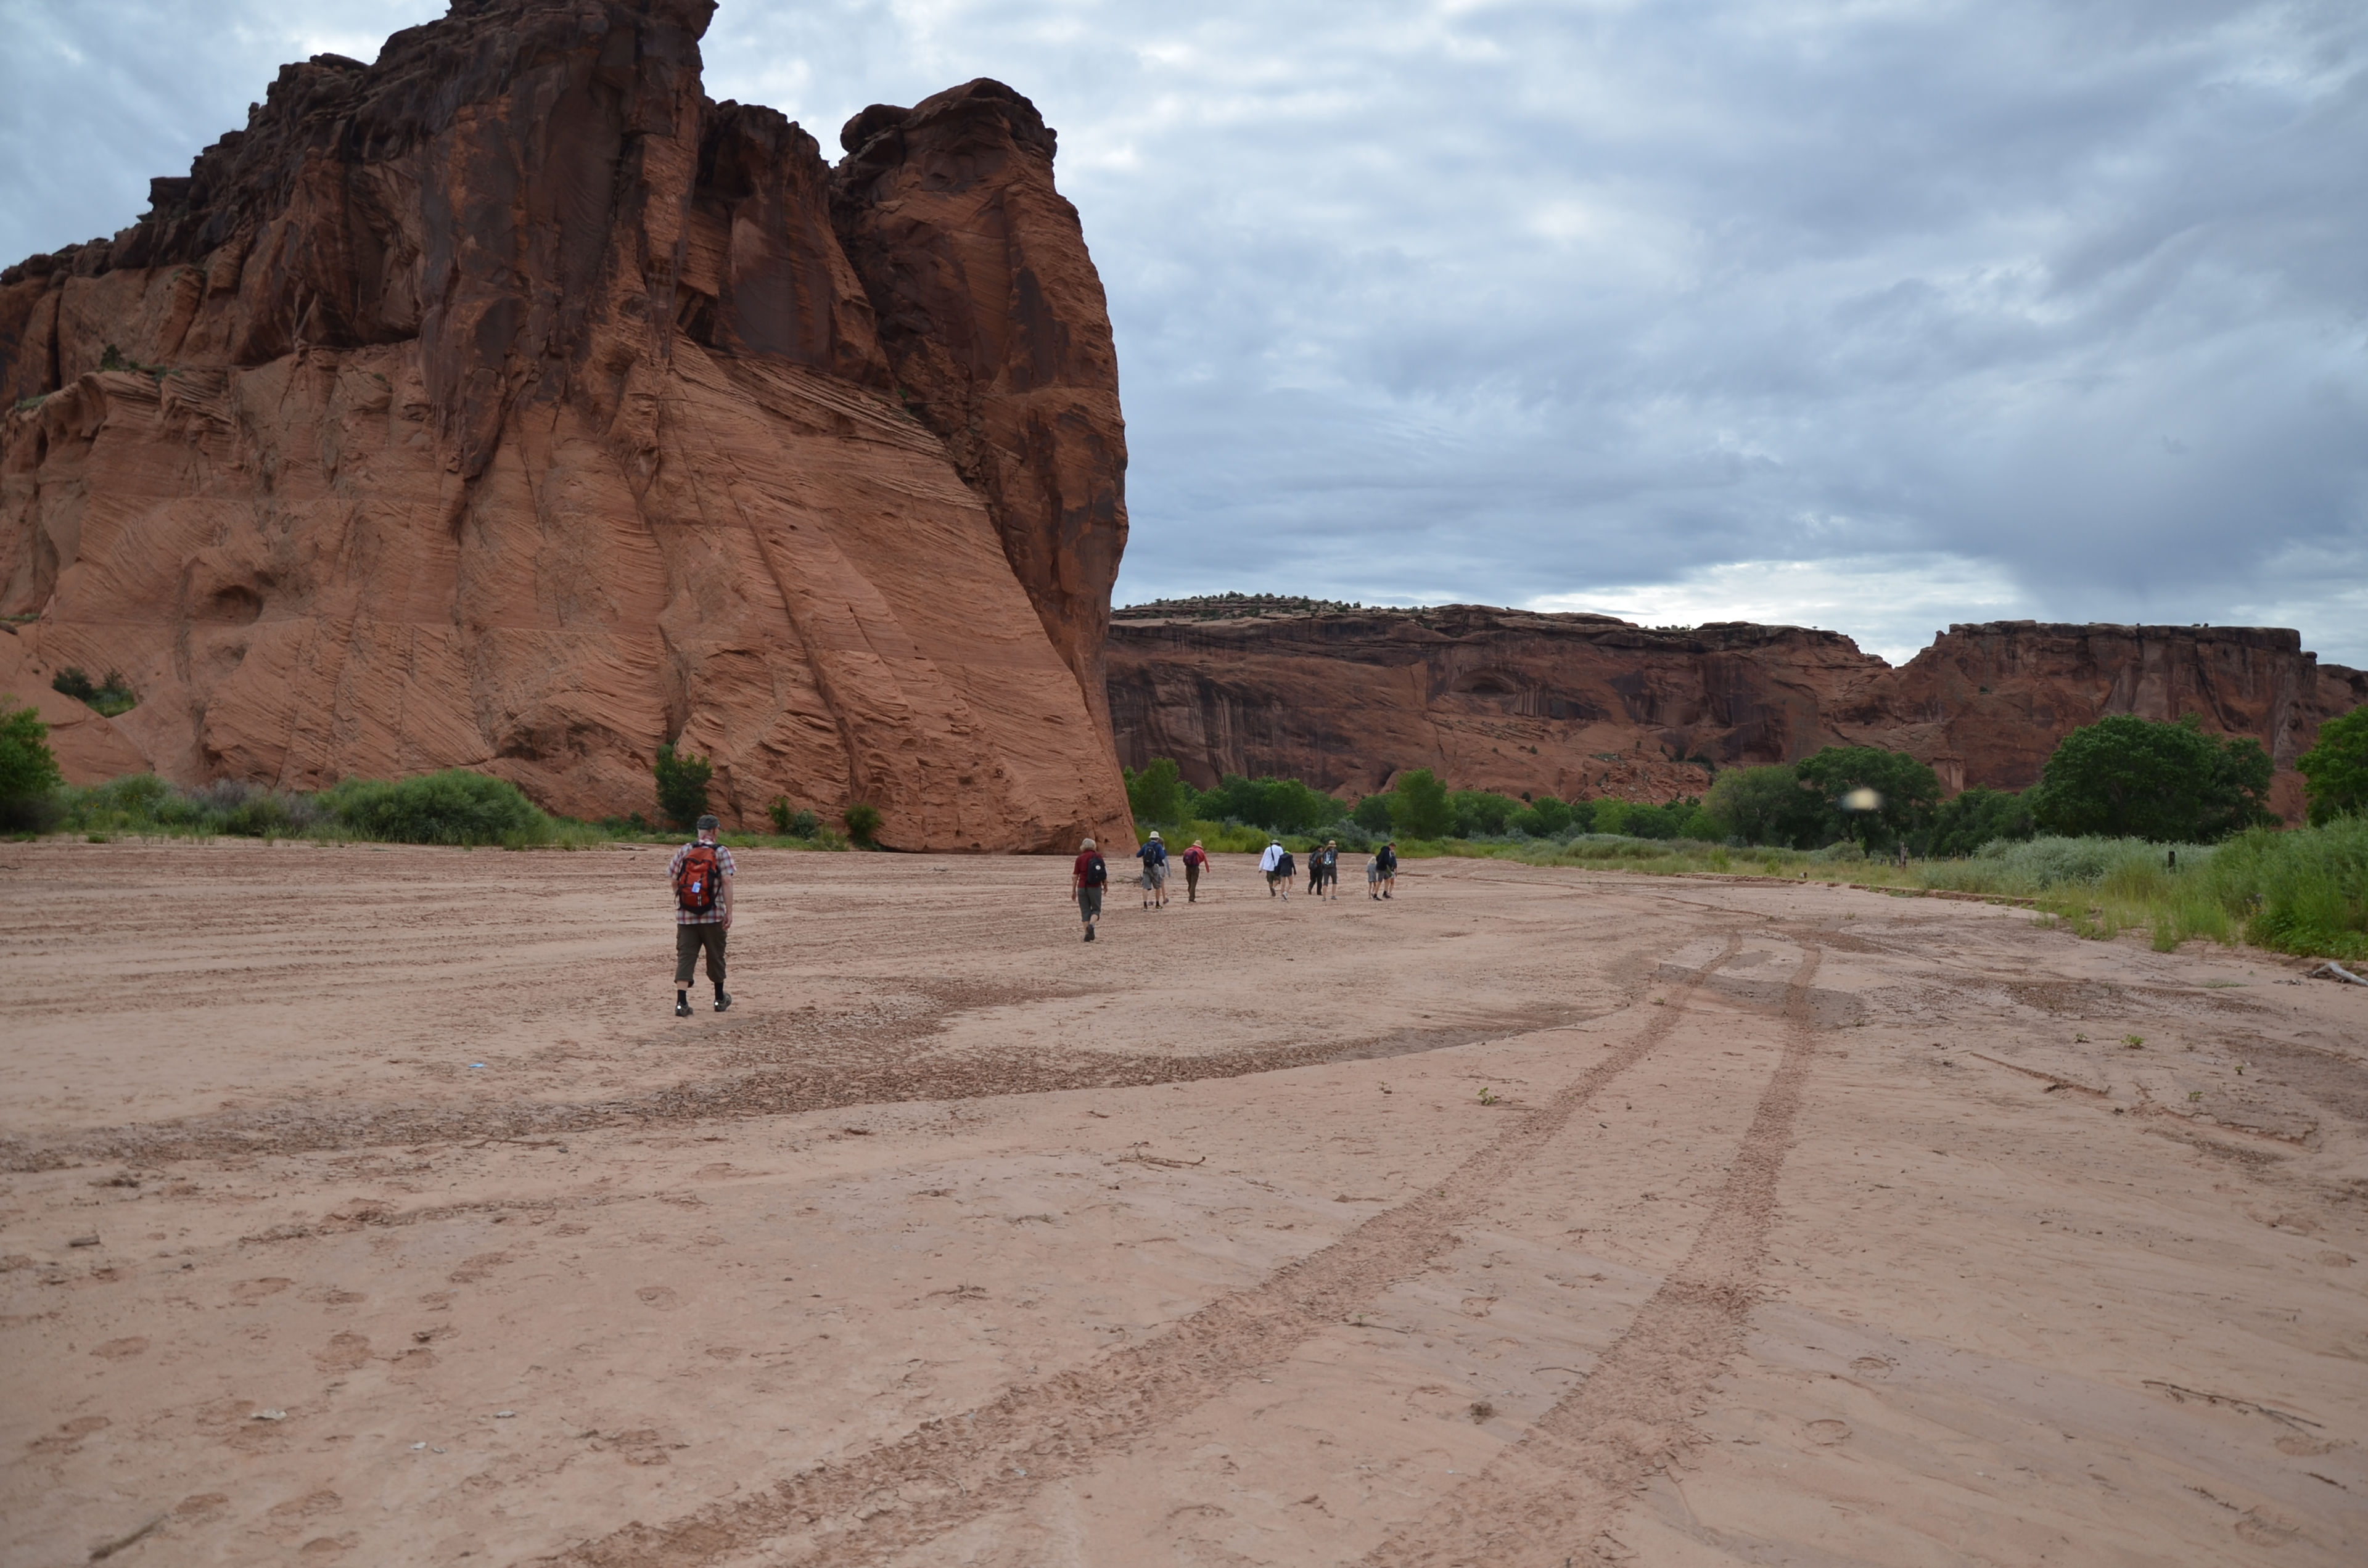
(507, 403)
(1582, 706)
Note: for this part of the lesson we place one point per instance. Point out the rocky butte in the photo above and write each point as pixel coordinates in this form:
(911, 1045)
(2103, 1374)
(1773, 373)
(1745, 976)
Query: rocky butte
(507, 403)
(1586, 706)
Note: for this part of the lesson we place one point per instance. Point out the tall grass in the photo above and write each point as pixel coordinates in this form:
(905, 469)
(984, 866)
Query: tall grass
(2302, 890)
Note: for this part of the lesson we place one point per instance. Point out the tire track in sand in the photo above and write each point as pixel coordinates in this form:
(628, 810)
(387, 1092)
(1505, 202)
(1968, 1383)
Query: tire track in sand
(950, 1471)
(1549, 1500)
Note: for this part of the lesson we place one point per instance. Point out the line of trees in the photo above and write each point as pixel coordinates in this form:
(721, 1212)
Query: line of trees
(2122, 776)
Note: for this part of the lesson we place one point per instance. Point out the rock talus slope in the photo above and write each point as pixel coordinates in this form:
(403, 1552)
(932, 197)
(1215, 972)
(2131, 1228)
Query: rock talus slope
(1585, 706)
(507, 403)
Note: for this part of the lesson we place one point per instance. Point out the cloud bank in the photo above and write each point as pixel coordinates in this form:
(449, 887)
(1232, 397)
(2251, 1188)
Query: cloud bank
(1872, 316)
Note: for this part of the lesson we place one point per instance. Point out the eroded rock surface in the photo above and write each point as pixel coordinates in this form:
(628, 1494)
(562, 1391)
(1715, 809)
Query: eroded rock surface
(1586, 706)
(507, 403)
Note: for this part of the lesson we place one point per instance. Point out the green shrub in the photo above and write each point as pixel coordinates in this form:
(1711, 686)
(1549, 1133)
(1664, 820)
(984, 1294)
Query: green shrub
(109, 698)
(28, 772)
(1419, 808)
(1279, 805)
(2125, 776)
(1481, 814)
(862, 823)
(1976, 817)
(1372, 813)
(1901, 791)
(793, 822)
(1158, 795)
(1767, 806)
(2336, 768)
(452, 807)
(682, 785)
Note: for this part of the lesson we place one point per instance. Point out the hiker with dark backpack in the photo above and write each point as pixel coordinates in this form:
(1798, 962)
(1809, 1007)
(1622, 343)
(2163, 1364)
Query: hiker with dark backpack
(1087, 878)
(701, 874)
(1154, 856)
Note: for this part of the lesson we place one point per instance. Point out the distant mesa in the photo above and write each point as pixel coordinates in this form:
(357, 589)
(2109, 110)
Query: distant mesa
(509, 404)
(1589, 706)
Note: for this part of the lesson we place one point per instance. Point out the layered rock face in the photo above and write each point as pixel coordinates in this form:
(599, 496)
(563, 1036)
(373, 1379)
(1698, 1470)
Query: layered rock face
(1582, 706)
(509, 405)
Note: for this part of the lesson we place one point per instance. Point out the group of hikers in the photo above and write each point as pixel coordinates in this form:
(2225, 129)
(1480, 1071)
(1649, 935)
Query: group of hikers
(702, 873)
(1089, 874)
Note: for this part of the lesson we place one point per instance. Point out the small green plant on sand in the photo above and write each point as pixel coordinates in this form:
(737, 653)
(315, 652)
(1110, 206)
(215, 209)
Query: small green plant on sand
(1488, 1095)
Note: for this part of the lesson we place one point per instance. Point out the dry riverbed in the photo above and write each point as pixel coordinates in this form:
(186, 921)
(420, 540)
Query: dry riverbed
(367, 1206)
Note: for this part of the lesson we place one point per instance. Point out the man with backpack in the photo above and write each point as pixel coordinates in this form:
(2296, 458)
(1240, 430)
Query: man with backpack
(1272, 863)
(1195, 858)
(1088, 877)
(701, 874)
(1154, 856)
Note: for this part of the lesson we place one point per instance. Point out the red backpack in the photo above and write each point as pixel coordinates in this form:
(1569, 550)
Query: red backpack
(694, 880)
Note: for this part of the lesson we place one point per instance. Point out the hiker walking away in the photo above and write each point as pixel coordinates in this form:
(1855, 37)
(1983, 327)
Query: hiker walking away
(1373, 876)
(1270, 863)
(1154, 856)
(1388, 861)
(1328, 867)
(1315, 872)
(1284, 870)
(1088, 877)
(1194, 858)
(701, 874)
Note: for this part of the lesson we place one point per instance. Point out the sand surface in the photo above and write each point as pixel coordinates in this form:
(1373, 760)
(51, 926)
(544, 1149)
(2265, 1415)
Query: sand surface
(1535, 1216)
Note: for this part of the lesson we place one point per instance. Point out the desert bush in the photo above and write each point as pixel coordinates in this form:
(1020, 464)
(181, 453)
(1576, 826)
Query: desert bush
(455, 806)
(1979, 816)
(862, 823)
(2336, 768)
(1279, 805)
(30, 779)
(1372, 813)
(682, 785)
(2125, 776)
(1904, 792)
(1158, 795)
(1418, 805)
(1481, 814)
(793, 822)
(109, 698)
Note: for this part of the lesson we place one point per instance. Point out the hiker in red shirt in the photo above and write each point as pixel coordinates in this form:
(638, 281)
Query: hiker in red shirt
(701, 874)
(1087, 878)
(1194, 858)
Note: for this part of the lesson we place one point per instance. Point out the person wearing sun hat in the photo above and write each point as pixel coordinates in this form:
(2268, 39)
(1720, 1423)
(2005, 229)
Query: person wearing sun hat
(1154, 856)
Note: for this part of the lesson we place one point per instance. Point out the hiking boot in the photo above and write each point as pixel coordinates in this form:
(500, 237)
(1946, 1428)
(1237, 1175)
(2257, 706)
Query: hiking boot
(1089, 933)
(722, 1000)
(682, 1006)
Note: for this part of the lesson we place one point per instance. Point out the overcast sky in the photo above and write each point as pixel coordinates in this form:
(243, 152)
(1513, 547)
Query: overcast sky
(1870, 315)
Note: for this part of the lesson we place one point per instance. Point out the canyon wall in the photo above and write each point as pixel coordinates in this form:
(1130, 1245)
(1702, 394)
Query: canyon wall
(507, 403)
(1585, 706)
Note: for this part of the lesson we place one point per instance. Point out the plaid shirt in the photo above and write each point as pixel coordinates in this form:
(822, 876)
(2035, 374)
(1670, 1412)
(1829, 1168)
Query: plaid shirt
(692, 917)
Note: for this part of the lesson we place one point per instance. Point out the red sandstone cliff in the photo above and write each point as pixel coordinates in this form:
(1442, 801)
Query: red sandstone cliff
(507, 403)
(1585, 706)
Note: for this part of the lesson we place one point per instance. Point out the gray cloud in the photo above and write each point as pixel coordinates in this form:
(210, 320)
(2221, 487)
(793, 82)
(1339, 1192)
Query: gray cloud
(1897, 314)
